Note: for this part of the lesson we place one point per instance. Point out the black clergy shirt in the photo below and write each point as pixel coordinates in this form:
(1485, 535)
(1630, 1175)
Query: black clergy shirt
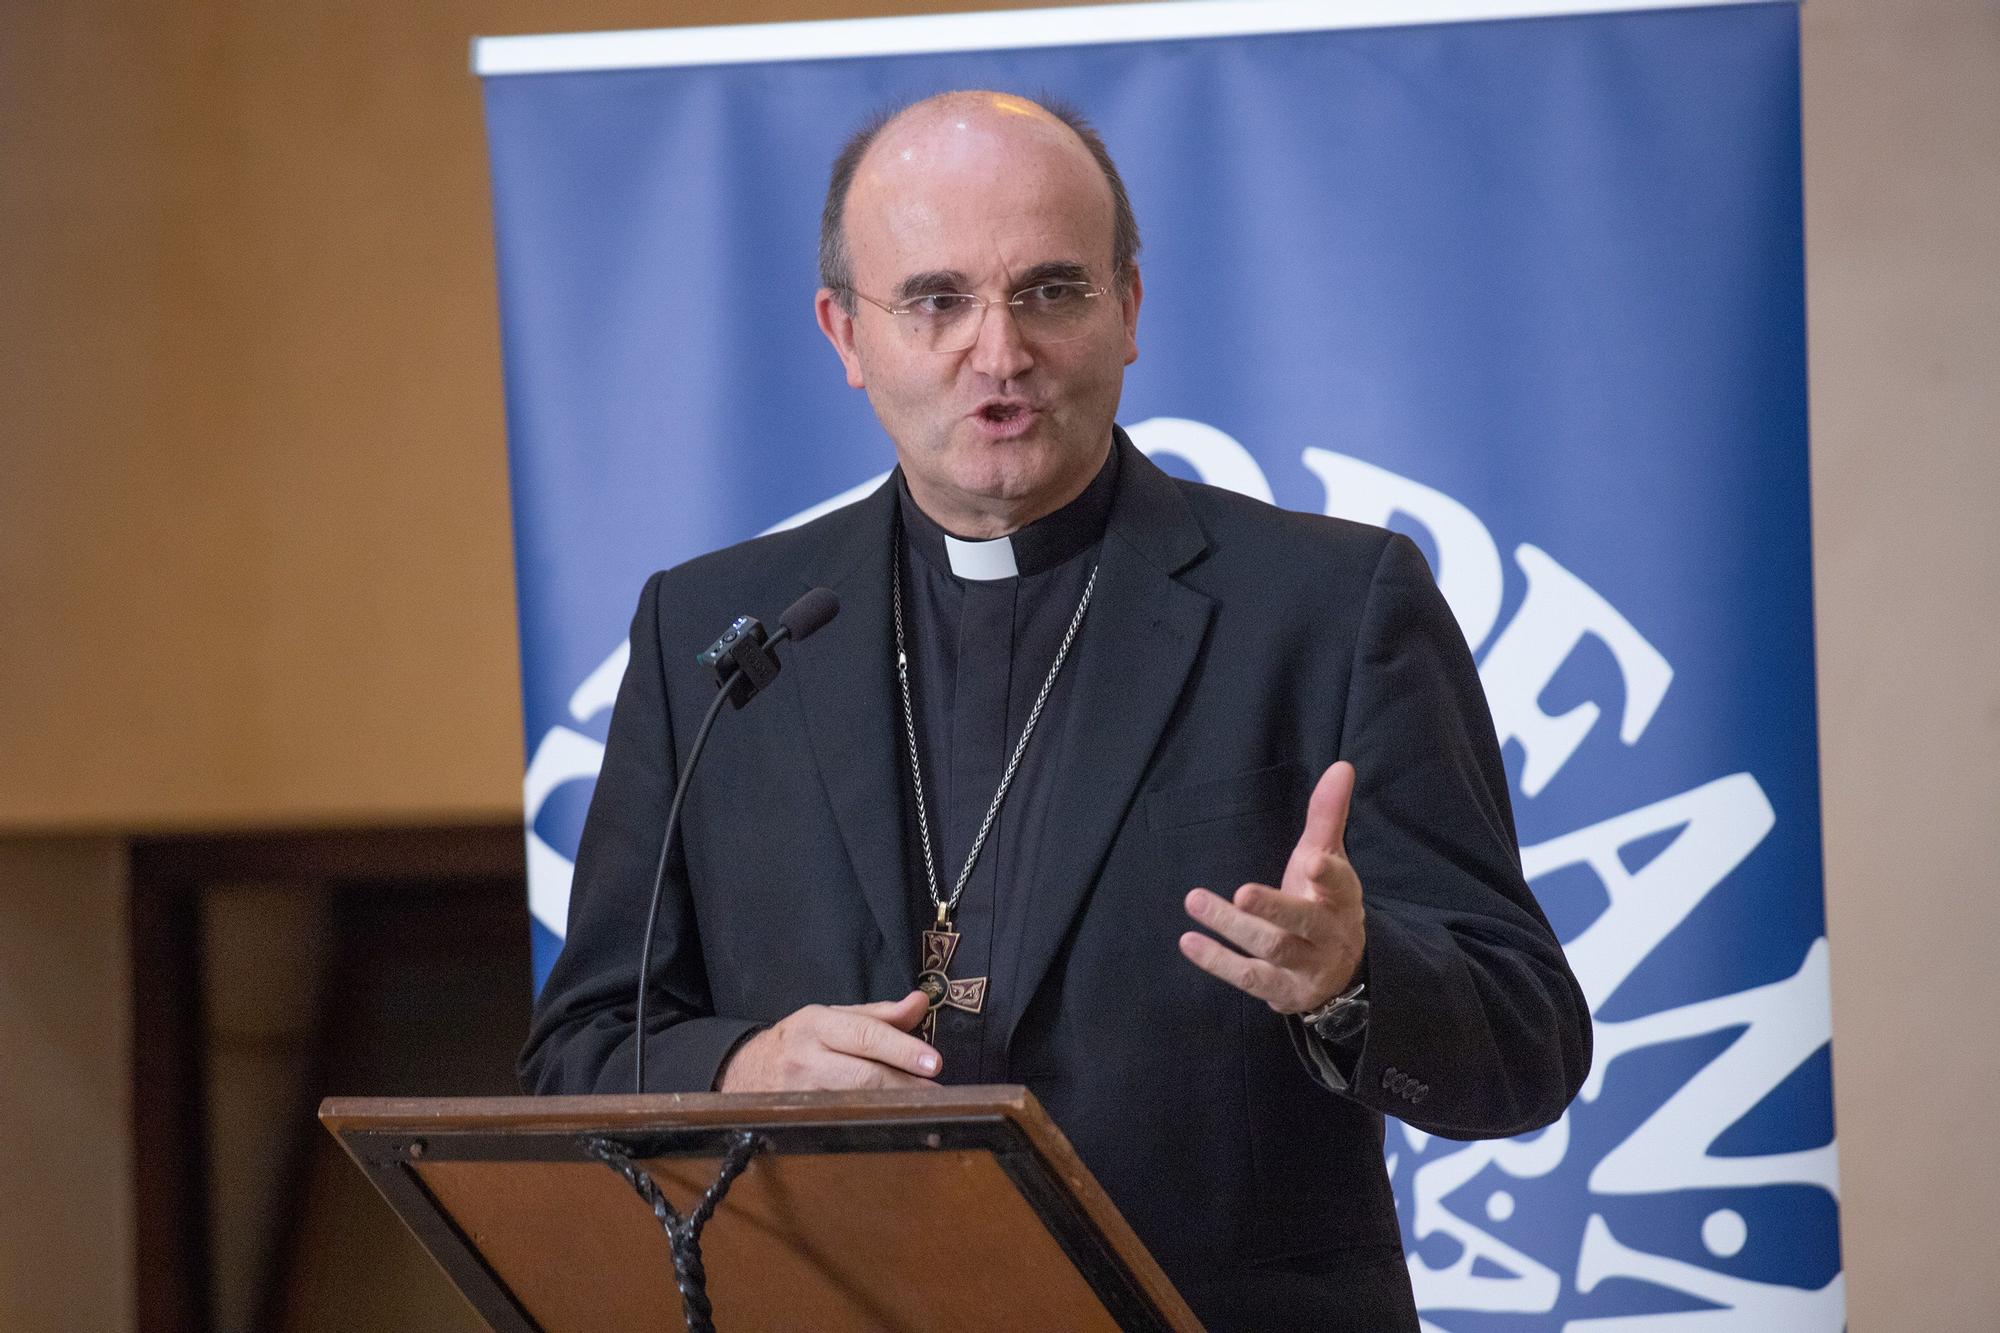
(980, 650)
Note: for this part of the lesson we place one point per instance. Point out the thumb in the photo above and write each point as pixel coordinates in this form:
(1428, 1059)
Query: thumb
(1326, 812)
(902, 1014)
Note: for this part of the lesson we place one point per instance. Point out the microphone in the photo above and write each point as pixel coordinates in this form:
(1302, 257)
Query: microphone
(808, 616)
(745, 660)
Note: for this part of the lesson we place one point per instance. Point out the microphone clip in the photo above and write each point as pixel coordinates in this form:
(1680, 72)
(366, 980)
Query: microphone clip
(744, 659)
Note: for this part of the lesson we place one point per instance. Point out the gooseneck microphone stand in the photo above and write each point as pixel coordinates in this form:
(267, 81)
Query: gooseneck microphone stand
(744, 661)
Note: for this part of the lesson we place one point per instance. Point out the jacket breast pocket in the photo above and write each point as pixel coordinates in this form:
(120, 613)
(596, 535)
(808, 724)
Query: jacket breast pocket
(1229, 830)
(1279, 790)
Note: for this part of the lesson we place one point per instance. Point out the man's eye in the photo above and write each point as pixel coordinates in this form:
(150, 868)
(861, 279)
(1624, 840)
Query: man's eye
(939, 305)
(1051, 295)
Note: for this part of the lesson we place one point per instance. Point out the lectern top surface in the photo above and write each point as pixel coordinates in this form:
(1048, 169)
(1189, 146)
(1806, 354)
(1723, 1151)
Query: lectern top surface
(956, 1207)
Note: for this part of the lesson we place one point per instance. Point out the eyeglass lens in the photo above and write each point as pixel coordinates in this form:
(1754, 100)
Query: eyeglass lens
(1050, 313)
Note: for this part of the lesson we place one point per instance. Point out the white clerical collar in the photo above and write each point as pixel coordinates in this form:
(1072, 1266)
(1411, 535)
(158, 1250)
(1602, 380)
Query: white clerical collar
(983, 562)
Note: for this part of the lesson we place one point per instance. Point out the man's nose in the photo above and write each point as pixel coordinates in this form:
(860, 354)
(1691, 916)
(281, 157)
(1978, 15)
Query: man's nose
(1000, 351)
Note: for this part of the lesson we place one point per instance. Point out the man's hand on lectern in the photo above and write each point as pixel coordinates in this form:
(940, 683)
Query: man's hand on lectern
(1302, 940)
(836, 1047)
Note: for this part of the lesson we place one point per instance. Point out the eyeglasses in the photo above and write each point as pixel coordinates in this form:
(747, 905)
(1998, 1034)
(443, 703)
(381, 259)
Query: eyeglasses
(1048, 312)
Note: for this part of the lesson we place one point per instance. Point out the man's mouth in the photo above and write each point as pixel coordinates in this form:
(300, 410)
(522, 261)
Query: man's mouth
(1001, 419)
(1005, 416)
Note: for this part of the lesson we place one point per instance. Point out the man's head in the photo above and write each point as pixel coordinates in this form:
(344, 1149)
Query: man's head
(987, 195)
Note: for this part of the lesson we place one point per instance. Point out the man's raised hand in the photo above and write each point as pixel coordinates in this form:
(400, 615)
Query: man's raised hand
(1301, 941)
(826, 1047)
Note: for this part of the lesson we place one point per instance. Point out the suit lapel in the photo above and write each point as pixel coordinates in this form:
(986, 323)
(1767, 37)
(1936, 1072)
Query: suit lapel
(1138, 643)
(845, 690)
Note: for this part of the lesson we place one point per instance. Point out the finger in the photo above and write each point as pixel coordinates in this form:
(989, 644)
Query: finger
(1252, 976)
(1327, 876)
(1326, 811)
(905, 1013)
(1252, 934)
(857, 1034)
(1298, 916)
(851, 1072)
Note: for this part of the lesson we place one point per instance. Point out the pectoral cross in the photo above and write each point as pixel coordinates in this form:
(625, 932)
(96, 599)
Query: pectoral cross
(965, 993)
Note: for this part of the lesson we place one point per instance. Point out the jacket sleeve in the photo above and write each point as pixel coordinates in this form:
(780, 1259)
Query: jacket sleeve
(1477, 1028)
(581, 1037)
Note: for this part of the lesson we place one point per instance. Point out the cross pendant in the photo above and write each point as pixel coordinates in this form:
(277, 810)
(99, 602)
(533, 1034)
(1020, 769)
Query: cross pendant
(965, 993)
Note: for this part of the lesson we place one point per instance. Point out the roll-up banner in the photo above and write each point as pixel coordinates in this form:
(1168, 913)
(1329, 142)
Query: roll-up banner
(1525, 284)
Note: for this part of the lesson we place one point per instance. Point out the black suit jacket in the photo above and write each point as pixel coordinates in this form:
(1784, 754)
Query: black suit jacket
(1233, 650)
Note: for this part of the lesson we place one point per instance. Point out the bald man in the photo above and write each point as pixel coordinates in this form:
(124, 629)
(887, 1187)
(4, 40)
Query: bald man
(1183, 810)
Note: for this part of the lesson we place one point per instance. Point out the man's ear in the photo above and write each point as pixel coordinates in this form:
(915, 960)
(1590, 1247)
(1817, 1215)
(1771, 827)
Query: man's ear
(1128, 300)
(838, 326)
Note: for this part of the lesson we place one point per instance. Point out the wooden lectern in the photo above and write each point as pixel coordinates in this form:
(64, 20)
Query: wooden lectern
(949, 1208)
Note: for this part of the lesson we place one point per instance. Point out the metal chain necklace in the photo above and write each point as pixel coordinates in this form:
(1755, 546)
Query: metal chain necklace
(941, 941)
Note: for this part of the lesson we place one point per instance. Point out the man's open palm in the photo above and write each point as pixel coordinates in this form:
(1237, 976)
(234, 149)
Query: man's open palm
(1300, 941)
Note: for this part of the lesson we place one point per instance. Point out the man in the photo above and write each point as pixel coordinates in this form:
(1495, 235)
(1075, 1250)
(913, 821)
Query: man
(1182, 810)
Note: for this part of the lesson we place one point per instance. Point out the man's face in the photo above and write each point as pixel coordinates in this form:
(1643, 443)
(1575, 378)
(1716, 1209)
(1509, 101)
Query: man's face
(985, 197)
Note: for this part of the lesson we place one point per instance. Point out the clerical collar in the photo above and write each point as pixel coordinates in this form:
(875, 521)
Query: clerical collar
(1043, 544)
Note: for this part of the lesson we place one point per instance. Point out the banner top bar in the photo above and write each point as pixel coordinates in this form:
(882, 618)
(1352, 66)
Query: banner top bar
(1004, 29)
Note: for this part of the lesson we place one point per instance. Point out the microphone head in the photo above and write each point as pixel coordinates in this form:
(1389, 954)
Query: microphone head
(810, 613)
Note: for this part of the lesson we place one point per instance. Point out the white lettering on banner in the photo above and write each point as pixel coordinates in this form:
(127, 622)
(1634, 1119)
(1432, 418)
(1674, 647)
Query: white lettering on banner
(1714, 828)
(1559, 610)
(560, 757)
(1720, 823)
(551, 875)
(563, 755)
(1468, 572)
(1784, 1025)
(600, 688)
(1215, 456)
(1745, 1306)
(1524, 1285)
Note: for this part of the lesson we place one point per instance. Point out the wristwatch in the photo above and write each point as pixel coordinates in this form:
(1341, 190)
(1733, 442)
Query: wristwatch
(1341, 1017)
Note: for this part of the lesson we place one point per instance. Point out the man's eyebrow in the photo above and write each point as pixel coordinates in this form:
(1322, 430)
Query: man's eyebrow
(930, 284)
(1054, 270)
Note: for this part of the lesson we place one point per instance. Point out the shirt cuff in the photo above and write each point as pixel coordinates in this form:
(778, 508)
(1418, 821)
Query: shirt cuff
(729, 1053)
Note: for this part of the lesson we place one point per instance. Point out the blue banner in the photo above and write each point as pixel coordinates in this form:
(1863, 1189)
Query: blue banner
(1531, 291)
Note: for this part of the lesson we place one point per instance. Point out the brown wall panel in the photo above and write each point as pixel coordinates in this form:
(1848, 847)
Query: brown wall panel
(255, 564)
